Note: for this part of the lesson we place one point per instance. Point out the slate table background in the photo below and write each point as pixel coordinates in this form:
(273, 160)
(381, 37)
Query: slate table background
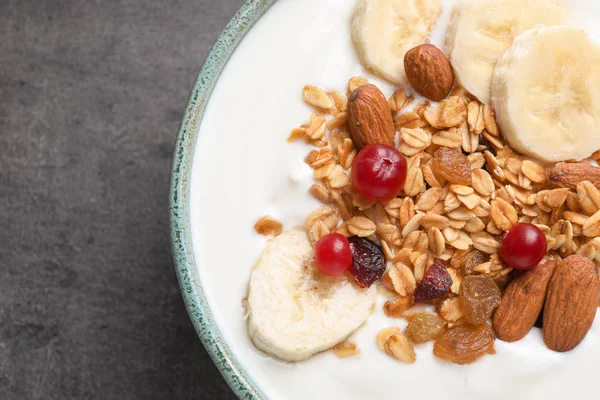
(91, 96)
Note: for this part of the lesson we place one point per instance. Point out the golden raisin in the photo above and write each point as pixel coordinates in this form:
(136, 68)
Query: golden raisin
(479, 297)
(425, 326)
(464, 344)
(472, 260)
(452, 165)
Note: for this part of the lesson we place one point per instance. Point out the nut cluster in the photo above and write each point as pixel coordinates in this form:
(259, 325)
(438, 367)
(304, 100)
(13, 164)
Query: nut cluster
(465, 187)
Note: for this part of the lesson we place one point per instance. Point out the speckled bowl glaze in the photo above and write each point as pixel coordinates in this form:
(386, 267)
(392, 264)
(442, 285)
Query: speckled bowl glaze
(183, 254)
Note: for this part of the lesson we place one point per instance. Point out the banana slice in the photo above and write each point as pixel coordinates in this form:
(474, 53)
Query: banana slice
(294, 311)
(481, 30)
(384, 30)
(546, 93)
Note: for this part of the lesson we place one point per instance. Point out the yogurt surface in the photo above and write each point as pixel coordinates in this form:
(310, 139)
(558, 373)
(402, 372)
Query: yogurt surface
(244, 168)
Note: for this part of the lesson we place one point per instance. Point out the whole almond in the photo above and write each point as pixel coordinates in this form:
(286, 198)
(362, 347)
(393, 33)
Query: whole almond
(522, 303)
(429, 71)
(370, 117)
(568, 175)
(571, 303)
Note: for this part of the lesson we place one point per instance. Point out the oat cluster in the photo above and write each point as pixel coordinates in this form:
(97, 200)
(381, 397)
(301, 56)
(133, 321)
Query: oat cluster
(465, 187)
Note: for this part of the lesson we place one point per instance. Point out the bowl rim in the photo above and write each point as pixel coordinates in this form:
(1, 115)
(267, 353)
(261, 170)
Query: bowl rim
(181, 242)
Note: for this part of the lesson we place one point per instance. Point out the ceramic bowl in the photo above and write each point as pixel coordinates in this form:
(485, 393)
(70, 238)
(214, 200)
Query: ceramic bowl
(183, 254)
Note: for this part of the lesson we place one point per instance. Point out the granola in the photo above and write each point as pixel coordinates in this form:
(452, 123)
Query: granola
(443, 213)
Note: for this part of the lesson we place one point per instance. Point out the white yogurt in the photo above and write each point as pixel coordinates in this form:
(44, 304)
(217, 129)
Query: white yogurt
(244, 168)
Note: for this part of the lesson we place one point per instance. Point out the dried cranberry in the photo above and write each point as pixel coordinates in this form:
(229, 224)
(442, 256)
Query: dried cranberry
(435, 283)
(367, 261)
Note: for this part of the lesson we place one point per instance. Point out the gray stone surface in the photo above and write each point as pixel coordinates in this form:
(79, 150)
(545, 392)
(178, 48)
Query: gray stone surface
(91, 95)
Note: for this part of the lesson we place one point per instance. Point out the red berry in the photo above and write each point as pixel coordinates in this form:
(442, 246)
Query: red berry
(368, 262)
(332, 254)
(379, 172)
(523, 247)
(435, 283)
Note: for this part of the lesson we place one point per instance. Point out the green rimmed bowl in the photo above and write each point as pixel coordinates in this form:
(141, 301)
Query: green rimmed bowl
(183, 255)
(199, 299)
